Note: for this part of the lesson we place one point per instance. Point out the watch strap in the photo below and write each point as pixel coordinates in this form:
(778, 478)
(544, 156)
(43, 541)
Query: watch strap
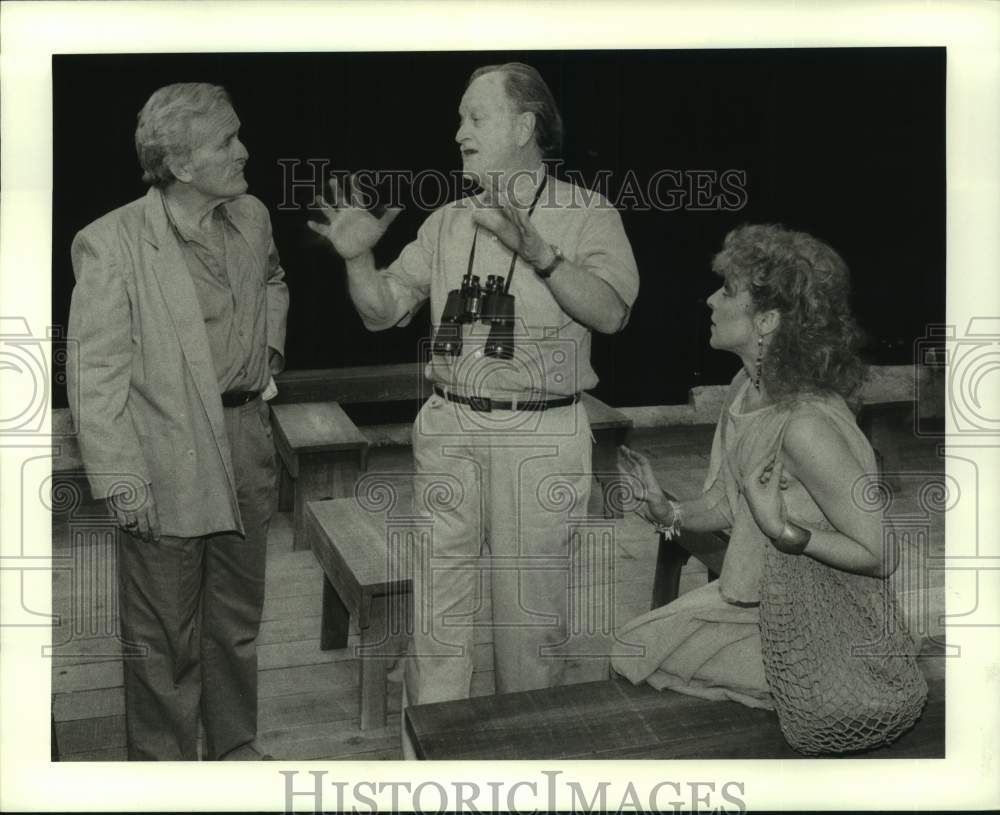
(558, 258)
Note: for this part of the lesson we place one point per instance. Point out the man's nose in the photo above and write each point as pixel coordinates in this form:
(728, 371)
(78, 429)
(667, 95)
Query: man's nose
(241, 151)
(460, 133)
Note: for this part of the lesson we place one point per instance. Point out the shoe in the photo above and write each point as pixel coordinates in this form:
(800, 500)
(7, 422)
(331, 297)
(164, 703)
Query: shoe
(247, 752)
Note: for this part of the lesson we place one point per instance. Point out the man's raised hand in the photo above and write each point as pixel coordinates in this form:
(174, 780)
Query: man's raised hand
(350, 228)
(513, 226)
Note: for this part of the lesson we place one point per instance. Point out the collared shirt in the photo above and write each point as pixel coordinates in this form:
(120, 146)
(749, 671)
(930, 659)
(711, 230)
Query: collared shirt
(552, 350)
(233, 302)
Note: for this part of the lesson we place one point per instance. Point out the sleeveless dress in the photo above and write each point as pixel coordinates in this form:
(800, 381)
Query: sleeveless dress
(707, 643)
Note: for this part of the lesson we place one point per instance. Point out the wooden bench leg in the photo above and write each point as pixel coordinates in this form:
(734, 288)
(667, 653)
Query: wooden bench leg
(374, 665)
(887, 452)
(881, 423)
(610, 509)
(313, 484)
(286, 490)
(605, 464)
(321, 477)
(336, 619)
(670, 559)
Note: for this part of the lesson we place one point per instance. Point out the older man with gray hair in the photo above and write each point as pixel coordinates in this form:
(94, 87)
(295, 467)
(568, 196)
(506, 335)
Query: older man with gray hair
(178, 322)
(518, 277)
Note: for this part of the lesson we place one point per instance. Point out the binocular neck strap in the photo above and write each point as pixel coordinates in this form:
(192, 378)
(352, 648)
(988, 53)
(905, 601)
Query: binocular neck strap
(531, 211)
(472, 253)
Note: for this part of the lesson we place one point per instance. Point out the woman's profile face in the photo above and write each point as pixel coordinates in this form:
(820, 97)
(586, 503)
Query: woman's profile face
(732, 319)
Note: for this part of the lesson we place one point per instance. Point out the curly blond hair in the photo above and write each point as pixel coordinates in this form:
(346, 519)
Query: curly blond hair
(815, 347)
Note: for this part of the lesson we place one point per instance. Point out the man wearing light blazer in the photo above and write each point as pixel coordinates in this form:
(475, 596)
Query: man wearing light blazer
(178, 325)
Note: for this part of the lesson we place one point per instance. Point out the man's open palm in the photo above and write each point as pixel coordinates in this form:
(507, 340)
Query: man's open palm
(351, 229)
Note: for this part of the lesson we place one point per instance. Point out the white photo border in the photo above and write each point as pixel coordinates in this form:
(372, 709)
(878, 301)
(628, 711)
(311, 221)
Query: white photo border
(33, 31)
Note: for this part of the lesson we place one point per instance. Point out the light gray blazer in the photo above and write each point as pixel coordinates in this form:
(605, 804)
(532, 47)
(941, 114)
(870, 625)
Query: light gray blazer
(141, 379)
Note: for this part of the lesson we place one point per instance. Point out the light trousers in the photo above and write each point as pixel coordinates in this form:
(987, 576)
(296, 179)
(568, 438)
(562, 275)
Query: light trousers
(502, 488)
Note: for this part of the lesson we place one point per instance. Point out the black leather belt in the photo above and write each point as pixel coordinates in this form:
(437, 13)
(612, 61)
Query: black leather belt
(232, 399)
(485, 404)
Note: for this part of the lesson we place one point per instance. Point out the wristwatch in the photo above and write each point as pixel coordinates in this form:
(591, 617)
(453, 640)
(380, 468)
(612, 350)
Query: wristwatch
(558, 258)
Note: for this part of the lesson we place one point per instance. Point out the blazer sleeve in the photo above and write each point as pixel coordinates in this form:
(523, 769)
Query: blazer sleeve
(99, 370)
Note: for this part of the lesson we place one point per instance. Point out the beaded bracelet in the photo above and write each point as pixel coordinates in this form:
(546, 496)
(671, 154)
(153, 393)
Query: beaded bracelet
(673, 529)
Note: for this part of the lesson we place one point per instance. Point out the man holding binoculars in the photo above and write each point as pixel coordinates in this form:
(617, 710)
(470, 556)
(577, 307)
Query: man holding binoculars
(518, 276)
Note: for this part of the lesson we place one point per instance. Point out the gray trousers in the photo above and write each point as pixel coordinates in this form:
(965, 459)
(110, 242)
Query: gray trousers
(194, 606)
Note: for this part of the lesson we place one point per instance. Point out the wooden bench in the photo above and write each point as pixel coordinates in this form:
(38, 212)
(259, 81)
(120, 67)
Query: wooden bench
(363, 553)
(877, 421)
(613, 719)
(397, 382)
(362, 544)
(673, 554)
(322, 453)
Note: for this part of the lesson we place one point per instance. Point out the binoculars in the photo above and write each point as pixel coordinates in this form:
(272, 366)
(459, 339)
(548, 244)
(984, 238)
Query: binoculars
(471, 303)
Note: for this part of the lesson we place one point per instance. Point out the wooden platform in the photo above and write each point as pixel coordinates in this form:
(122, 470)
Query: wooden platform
(616, 719)
(308, 707)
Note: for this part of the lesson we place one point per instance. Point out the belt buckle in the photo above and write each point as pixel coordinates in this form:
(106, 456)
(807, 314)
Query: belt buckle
(481, 404)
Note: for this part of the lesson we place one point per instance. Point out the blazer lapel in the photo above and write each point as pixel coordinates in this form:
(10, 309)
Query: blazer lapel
(170, 269)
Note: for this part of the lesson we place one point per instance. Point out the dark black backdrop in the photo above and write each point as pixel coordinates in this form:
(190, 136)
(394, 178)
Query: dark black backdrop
(847, 144)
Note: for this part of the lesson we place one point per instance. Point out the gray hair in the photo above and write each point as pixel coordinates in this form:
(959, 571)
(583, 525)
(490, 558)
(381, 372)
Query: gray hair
(529, 93)
(164, 129)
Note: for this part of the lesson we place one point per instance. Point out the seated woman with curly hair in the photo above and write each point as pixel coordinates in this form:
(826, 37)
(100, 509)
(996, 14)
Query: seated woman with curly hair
(802, 617)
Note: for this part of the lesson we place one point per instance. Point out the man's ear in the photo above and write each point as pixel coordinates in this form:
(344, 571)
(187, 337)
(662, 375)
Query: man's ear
(525, 128)
(180, 166)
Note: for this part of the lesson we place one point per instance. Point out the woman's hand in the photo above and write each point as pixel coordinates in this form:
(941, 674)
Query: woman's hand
(763, 493)
(654, 506)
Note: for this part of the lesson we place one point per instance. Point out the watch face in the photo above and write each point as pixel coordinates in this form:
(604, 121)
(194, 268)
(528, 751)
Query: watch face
(556, 260)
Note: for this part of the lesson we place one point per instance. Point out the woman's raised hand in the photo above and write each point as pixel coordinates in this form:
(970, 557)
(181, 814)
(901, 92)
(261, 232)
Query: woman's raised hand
(653, 504)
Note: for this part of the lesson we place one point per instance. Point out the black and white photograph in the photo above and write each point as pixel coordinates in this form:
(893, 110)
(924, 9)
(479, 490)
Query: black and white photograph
(389, 407)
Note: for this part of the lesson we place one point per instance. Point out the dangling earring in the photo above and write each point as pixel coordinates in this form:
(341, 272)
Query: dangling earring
(759, 363)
